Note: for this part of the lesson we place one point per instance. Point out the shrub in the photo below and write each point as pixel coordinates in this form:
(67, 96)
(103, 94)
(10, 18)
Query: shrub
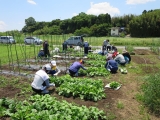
(151, 90)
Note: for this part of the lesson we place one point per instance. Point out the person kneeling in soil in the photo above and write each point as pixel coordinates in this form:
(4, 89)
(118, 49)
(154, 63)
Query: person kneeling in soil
(54, 69)
(41, 83)
(74, 68)
(111, 65)
(41, 53)
(120, 59)
(127, 56)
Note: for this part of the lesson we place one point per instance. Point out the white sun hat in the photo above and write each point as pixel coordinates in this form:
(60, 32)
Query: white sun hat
(53, 62)
(47, 66)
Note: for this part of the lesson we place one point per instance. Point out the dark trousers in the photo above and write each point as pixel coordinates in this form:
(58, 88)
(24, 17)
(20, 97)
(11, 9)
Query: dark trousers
(109, 48)
(104, 47)
(37, 91)
(52, 72)
(85, 50)
(71, 72)
(46, 53)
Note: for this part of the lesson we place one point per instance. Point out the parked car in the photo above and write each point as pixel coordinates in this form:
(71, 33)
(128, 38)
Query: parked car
(75, 40)
(33, 40)
(7, 39)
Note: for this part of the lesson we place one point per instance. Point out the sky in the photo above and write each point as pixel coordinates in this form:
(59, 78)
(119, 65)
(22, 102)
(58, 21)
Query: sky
(14, 12)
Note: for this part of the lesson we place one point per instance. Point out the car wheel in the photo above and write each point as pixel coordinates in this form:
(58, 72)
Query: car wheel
(36, 42)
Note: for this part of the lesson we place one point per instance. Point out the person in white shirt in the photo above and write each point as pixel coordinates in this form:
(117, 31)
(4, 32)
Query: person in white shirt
(120, 59)
(41, 83)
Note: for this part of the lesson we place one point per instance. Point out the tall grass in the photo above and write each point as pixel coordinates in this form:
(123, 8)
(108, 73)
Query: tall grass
(151, 90)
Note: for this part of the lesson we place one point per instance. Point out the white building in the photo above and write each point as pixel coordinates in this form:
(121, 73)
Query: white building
(115, 31)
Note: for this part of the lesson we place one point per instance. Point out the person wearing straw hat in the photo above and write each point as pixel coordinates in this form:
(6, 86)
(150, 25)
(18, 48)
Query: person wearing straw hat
(74, 68)
(41, 83)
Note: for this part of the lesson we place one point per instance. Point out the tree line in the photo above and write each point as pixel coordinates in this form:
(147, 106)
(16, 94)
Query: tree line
(145, 25)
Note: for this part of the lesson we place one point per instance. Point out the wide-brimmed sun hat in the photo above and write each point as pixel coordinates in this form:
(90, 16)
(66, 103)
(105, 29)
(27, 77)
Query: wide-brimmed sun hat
(124, 51)
(48, 67)
(53, 62)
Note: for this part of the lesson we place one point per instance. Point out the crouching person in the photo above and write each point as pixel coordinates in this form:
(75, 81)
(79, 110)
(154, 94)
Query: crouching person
(111, 65)
(74, 68)
(41, 83)
(54, 69)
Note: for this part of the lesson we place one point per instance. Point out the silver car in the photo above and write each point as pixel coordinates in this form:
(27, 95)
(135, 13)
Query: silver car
(7, 39)
(33, 40)
(75, 40)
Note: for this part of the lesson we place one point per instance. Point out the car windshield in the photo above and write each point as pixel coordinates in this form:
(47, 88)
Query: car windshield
(35, 37)
(11, 37)
(71, 38)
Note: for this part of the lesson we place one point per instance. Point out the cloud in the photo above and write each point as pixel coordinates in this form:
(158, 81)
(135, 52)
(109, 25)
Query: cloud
(31, 2)
(103, 8)
(133, 2)
(2, 26)
(74, 14)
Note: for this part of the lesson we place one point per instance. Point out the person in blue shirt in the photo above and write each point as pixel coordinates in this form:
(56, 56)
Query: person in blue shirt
(41, 53)
(111, 65)
(86, 46)
(74, 68)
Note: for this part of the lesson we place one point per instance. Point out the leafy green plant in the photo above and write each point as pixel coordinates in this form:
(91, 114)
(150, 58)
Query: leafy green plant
(114, 84)
(86, 89)
(48, 108)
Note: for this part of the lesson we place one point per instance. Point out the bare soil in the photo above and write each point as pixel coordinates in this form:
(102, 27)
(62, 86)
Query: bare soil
(131, 109)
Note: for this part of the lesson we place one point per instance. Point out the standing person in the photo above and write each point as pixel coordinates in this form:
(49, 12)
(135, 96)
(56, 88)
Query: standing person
(104, 45)
(86, 46)
(54, 69)
(41, 83)
(109, 47)
(127, 56)
(111, 65)
(46, 49)
(120, 59)
(74, 68)
(64, 46)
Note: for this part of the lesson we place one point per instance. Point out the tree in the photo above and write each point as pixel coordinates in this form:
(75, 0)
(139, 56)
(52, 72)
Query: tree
(30, 21)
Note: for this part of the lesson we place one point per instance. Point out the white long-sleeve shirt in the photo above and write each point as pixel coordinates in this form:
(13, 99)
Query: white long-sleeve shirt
(40, 77)
(120, 58)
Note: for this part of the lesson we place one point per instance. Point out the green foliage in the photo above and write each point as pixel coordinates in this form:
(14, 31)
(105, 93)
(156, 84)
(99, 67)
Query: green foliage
(146, 25)
(82, 31)
(151, 88)
(48, 108)
(129, 48)
(97, 71)
(86, 89)
(114, 84)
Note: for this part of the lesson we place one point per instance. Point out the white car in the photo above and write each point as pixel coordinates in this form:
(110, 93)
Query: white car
(7, 39)
(33, 40)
